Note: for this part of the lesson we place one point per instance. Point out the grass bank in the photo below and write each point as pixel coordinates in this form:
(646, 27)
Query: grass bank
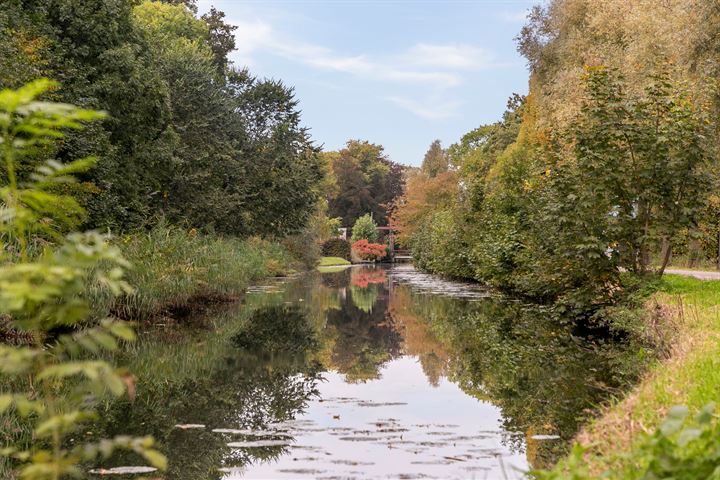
(174, 271)
(644, 432)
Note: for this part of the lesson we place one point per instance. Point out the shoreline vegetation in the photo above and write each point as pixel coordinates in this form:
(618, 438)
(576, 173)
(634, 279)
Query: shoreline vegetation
(650, 430)
(176, 271)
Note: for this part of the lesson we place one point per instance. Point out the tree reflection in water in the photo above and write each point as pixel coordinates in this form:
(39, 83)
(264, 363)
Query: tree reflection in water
(259, 364)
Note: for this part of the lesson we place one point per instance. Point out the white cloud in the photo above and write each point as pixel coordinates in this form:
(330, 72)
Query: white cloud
(254, 37)
(428, 109)
(434, 68)
(449, 56)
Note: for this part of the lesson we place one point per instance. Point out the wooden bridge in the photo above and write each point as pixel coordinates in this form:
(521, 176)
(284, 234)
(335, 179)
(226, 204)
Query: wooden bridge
(387, 236)
(402, 256)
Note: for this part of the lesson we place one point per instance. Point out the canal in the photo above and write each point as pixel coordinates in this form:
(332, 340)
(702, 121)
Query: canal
(364, 372)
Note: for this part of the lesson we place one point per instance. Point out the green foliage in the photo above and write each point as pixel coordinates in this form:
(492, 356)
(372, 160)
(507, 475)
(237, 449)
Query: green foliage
(557, 218)
(54, 387)
(200, 139)
(684, 447)
(438, 247)
(366, 182)
(435, 161)
(640, 162)
(365, 228)
(333, 225)
(336, 247)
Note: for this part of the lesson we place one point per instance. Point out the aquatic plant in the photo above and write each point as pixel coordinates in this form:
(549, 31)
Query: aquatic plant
(178, 270)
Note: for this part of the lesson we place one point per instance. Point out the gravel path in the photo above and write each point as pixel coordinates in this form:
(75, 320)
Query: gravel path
(702, 275)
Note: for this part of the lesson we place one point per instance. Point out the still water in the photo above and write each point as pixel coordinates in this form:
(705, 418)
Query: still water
(367, 372)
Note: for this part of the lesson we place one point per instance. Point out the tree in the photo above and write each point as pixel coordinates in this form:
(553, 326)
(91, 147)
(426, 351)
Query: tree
(423, 195)
(366, 181)
(435, 161)
(220, 38)
(365, 228)
(639, 166)
(201, 144)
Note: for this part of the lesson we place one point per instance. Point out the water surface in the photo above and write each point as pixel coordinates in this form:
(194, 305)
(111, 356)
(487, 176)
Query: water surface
(370, 372)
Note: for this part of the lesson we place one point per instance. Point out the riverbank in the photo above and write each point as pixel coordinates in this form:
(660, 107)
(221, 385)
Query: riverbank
(622, 442)
(175, 272)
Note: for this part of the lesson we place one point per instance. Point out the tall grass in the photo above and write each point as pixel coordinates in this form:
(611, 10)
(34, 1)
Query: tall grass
(173, 270)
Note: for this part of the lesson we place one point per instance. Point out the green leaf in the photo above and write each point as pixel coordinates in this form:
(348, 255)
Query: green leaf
(705, 415)
(156, 459)
(5, 402)
(674, 420)
(687, 435)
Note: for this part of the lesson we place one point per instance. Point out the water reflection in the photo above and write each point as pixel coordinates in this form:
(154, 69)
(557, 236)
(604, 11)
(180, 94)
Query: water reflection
(364, 373)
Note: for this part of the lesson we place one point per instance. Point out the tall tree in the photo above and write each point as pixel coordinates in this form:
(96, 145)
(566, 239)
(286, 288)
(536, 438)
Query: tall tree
(200, 143)
(220, 37)
(367, 182)
(435, 160)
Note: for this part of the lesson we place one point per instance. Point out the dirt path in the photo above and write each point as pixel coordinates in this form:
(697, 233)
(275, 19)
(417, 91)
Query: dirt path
(702, 275)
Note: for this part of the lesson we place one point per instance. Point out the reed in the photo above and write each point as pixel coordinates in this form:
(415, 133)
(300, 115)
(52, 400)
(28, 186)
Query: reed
(176, 271)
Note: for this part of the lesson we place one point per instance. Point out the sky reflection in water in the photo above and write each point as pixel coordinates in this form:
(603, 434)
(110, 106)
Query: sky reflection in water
(364, 373)
(395, 421)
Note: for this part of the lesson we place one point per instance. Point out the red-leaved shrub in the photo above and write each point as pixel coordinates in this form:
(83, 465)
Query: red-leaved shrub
(363, 279)
(369, 251)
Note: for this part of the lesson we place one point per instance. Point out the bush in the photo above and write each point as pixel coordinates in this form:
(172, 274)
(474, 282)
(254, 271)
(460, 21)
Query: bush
(369, 251)
(365, 228)
(303, 247)
(336, 247)
(437, 246)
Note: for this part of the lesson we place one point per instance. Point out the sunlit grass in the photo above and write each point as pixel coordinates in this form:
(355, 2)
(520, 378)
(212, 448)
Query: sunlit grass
(332, 264)
(332, 261)
(691, 376)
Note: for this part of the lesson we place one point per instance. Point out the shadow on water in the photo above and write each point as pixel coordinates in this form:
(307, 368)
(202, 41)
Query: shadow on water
(363, 373)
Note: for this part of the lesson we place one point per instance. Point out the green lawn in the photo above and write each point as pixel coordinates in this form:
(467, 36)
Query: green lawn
(332, 262)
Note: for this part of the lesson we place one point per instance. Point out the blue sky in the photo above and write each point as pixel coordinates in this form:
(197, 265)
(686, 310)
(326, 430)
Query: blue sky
(398, 73)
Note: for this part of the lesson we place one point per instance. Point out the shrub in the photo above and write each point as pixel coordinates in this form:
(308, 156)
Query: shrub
(365, 228)
(52, 385)
(369, 251)
(438, 247)
(303, 247)
(336, 247)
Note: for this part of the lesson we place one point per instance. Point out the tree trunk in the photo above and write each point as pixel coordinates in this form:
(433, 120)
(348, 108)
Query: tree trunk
(693, 253)
(667, 253)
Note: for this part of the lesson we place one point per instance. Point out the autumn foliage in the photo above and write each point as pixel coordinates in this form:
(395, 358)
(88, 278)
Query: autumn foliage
(364, 279)
(369, 251)
(423, 195)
